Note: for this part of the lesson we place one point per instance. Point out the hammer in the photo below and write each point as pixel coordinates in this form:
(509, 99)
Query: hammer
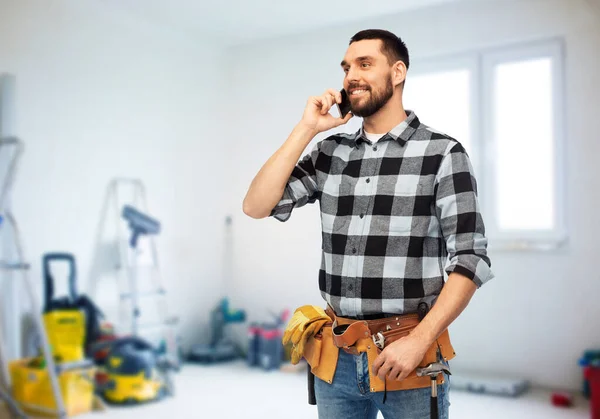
(312, 400)
(433, 370)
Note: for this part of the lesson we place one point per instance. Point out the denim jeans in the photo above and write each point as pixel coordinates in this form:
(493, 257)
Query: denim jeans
(348, 396)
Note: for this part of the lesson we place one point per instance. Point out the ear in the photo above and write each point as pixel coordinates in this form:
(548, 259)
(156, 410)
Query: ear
(398, 73)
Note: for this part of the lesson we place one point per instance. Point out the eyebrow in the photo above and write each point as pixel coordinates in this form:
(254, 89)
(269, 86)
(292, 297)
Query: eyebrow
(364, 58)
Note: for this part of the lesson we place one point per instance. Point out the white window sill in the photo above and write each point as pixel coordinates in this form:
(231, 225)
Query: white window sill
(527, 245)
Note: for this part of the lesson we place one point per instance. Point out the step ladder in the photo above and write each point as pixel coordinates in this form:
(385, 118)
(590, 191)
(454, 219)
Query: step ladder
(136, 264)
(9, 226)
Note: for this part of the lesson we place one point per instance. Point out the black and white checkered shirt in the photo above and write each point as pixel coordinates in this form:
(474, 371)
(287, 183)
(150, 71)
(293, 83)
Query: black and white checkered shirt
(396, 217)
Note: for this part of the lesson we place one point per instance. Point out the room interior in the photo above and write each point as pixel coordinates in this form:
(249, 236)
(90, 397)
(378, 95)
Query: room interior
(191, 98)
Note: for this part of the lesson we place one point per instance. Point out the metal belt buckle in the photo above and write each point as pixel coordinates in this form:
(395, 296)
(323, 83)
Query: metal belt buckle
(379, 340)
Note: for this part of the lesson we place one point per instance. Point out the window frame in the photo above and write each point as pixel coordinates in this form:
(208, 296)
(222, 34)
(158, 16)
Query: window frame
(481, 64)
(442, 64)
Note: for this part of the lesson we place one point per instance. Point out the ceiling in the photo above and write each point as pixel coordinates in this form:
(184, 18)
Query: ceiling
(233, 22)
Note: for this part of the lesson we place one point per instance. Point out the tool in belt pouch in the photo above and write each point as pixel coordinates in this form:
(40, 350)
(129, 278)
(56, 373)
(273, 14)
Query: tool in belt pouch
(371, 336)
(321, 353)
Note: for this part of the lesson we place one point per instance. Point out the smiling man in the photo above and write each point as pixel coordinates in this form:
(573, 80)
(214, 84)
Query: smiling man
(404, 246)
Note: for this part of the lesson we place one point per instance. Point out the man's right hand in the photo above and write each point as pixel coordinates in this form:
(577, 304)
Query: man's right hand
(268, 185)
(316, 114)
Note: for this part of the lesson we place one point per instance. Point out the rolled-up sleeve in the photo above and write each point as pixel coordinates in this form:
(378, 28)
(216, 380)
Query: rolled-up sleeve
(301, 188)
(460, 218)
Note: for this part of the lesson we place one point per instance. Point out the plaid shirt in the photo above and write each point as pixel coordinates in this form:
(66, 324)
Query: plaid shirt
(396, 217)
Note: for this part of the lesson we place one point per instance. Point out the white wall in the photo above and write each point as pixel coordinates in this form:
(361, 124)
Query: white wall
(100, 95)
(539, 314)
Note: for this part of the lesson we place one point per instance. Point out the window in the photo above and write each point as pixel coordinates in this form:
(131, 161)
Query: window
(505, 107)
(451, 110)
(524, 178)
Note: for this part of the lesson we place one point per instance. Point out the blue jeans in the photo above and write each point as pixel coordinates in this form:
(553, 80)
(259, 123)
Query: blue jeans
(349, 397)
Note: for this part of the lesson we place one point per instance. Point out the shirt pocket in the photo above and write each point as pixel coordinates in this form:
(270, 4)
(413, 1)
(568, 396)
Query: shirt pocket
(333, 189)
(409, 185)
(412, 208)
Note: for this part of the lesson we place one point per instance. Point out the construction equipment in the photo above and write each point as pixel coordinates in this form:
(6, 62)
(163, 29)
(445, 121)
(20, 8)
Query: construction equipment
(136, 265)
(433, 370)
(220, 348)
(13, 408)
(72, 321)
(139, 224)
(8, 224)
(31, 386)
(490, 385)
(39, 385)
(63, 318)
(135, 372)
(8, 406)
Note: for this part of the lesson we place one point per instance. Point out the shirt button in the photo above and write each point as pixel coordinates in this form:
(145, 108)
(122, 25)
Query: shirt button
(375, 148)
(362, 215)
(354, 250)
(368, 180)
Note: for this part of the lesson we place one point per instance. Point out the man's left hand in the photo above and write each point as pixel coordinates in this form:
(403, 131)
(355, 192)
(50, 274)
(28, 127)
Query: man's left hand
(400, 358)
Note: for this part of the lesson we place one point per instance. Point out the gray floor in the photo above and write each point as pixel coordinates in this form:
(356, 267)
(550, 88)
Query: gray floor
(236, 391)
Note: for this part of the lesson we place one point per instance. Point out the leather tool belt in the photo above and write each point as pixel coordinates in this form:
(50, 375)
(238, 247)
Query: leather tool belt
(371, 336)
(382, 332)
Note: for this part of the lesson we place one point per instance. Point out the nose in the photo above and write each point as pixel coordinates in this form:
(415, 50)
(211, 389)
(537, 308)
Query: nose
(352, 75)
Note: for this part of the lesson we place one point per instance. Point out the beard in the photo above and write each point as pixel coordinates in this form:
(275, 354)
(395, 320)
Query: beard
(376, 101)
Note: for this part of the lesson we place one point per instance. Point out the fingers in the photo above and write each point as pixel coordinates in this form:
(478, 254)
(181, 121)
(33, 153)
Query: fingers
(342, 121)
(384, 370)
(326, 103)
(336, 95)
(383, 367)
(403, 375)
(328, 100)
(379, 361)
(396, 373)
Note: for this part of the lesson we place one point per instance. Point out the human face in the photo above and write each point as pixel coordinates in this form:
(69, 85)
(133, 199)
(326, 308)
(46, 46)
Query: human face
(368, 77)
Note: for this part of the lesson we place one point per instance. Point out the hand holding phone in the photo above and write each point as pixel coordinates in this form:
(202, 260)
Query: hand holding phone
(345, 106)
(316, 113)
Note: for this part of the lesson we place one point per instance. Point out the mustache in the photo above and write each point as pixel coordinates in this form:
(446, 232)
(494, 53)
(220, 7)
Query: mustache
(358, 86)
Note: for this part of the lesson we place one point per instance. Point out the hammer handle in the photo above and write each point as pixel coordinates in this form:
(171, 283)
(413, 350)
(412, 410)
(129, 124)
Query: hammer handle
(434, 407)
(312, 400)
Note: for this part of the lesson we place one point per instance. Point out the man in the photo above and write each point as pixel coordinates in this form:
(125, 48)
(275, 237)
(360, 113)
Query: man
(399, 210)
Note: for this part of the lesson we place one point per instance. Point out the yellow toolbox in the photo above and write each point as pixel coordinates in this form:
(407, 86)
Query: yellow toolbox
(32, 389)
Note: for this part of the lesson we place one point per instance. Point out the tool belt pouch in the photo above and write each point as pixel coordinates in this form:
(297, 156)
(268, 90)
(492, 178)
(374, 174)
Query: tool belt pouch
(345, 336)
(321, 354)
(356, 337)
(440, 350)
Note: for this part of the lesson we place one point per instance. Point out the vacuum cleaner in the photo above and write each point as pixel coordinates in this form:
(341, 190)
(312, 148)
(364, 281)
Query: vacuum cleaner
(219, 349)
(134, 372)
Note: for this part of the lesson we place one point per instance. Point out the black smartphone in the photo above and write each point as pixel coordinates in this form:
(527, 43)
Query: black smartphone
(344, 107)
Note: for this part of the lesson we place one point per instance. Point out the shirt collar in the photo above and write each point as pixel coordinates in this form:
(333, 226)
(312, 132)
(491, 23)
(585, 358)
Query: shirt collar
(401, 132)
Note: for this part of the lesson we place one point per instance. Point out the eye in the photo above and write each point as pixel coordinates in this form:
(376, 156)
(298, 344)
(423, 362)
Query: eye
(365, 65)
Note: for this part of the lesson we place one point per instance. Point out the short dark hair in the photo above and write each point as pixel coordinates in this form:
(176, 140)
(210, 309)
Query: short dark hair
(392, 46)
